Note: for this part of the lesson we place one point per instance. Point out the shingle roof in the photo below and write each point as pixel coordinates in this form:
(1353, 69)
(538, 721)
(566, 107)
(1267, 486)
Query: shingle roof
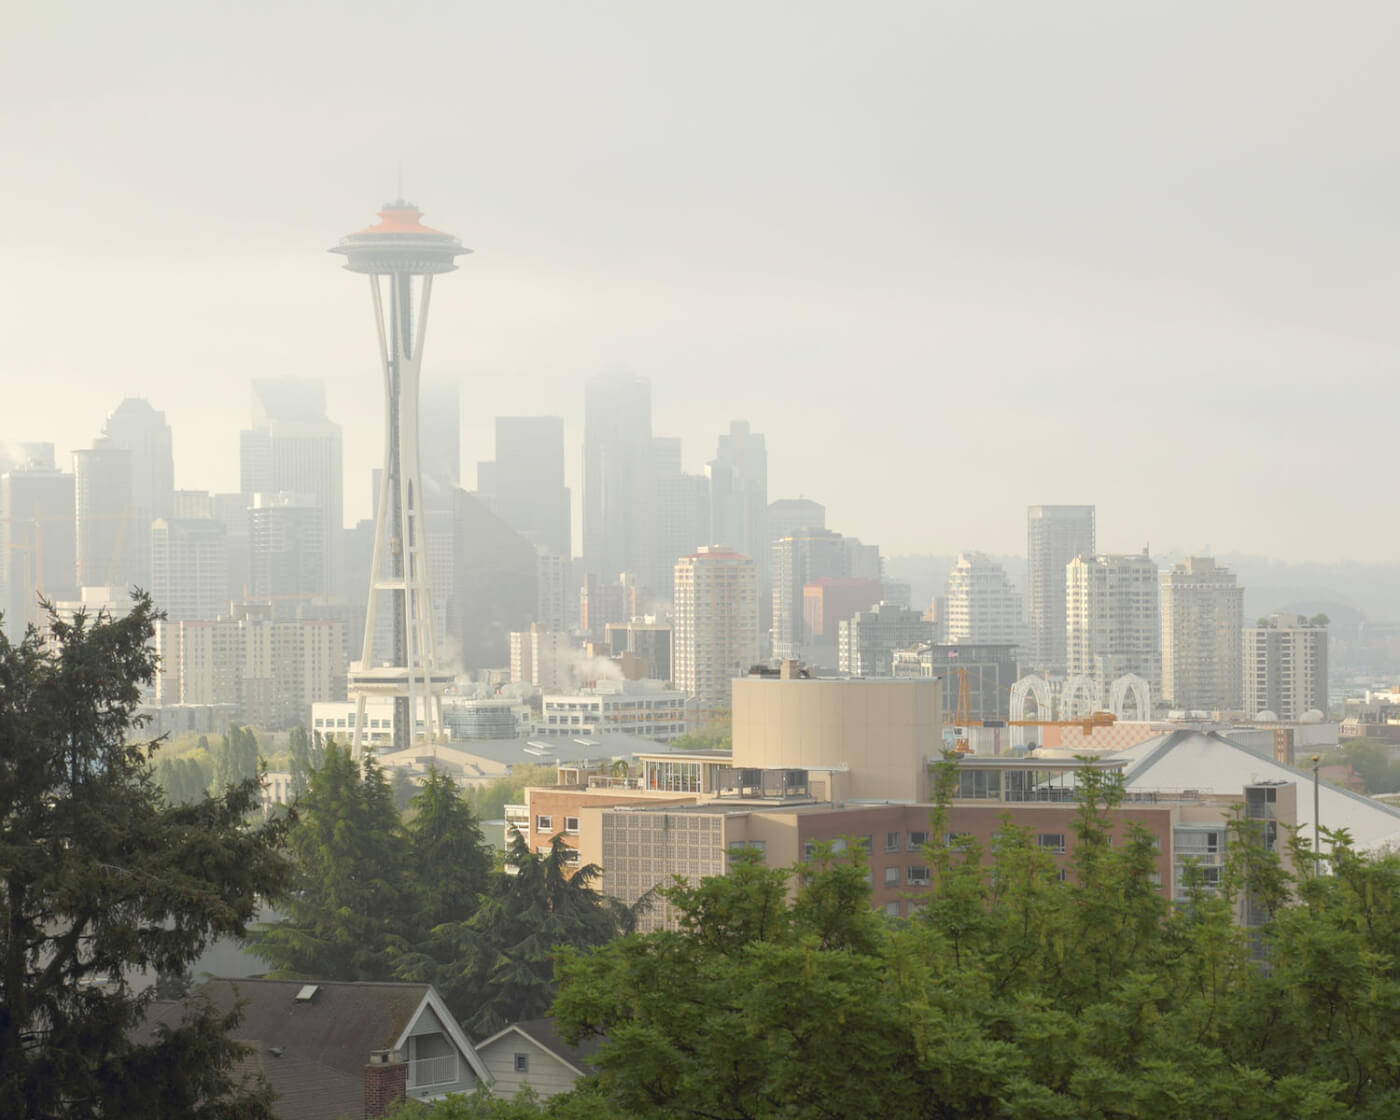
(546, 1034)
(325, 1042)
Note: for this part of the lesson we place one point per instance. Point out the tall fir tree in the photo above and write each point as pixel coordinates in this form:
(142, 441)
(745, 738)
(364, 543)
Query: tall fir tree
(102, 878)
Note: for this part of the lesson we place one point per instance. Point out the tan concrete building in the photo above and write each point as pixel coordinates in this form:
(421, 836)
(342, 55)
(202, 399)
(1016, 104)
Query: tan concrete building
(882, 733)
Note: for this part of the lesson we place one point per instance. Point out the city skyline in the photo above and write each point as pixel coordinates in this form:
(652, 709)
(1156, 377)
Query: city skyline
(958, 221)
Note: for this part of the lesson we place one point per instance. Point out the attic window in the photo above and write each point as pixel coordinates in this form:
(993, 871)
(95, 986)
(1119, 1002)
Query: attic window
(307, 993)
(522, 1063)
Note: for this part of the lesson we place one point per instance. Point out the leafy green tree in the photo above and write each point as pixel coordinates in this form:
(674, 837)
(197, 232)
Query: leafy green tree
(235, 758)
(182, 780)
(525, 1105)
(306, 754)
(102, 877)
(347, 915)
(498, 966)
(1012, 993)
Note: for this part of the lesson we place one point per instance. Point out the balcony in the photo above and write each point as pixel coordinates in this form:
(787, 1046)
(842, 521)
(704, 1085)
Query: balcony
(425, 1072)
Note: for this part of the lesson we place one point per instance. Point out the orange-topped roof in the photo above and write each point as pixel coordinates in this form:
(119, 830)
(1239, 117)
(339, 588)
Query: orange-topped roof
(400, 217)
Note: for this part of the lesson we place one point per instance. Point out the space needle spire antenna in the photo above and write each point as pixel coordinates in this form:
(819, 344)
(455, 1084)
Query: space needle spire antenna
(401, 255)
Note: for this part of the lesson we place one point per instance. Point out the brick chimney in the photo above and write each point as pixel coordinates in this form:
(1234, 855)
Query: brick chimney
(386, 1081)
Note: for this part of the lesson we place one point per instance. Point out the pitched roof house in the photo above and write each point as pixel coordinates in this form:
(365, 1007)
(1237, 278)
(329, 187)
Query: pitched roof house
(340, 1050)
(533, 1053)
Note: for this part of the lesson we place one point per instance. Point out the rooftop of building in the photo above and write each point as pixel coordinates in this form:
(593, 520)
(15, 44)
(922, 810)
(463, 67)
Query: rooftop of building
(1211, 763)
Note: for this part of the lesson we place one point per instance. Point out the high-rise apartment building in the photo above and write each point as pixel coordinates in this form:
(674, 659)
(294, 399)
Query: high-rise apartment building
(106, 520)
(141, 430)
(1202, 627)
(293, 447)
(826, 603)
(804, 557)
(738, 477)
(524, 484)
(551, 590)
(189, 567)
(867, 642)
(618, 502)
(1285, 667)
(37, 537)
(543, 657)
(1055, 535)
(982, 604)
(286, 550)
(715, 626)
(1113, 620)
(270, 670)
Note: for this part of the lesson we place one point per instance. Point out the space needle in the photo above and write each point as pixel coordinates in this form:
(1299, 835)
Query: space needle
(409, 254)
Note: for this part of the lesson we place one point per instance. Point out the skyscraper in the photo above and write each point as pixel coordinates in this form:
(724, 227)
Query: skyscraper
(1113, 621)
(804, 557)
(141, 430)
(441, 449)
(106, 524)
(715, 626)
(294, 448)
(524, 484)
(787, 516)
(286, 550)
(37, 542)
(982, 604)
(617, 459)
(739, 494)
(682, 525)
(409, 254)
(1202, 626)
(1055, 536)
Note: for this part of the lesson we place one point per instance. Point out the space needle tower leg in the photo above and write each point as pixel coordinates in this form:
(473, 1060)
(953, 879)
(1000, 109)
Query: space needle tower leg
(403, 250)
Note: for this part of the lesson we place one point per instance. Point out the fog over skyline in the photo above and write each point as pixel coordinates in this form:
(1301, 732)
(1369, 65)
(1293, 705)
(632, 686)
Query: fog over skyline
(951, 260)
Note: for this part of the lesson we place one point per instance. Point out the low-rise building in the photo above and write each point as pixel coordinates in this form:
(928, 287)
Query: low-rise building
(646, 708)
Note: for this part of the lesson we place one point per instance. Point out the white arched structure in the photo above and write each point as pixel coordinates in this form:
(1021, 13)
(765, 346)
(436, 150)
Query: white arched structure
(1079, 699)
(1130, 685)
(1026, 687)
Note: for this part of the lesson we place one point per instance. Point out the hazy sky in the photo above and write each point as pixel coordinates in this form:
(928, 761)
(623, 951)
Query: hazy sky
(951, 258)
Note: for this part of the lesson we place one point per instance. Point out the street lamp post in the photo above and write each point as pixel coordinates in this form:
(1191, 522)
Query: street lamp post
(1317, 849)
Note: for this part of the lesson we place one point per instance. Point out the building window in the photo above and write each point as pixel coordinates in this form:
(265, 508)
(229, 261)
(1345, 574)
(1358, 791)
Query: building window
(957, 839)
(1051, 842)
(570, 857)
(571, 825)
(891, 876)
(892, 909)
(916, 876)
(522, 1063)
(917, 840)
(544, 824)
(979, 785)
(892, 841)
